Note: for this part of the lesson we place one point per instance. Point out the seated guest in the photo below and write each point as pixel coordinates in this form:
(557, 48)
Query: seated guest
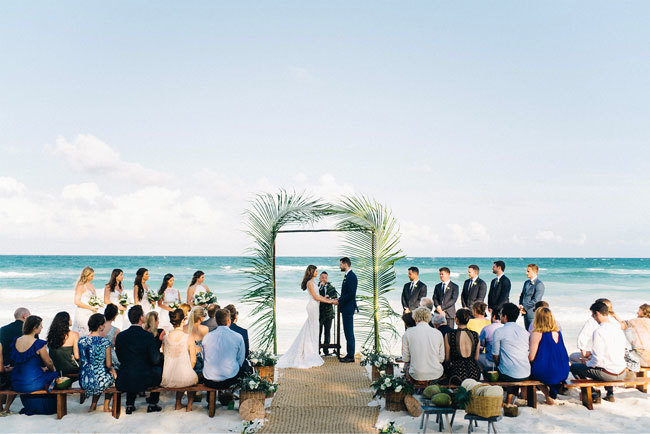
(485, 338)
(478, 320)
(461, 350)
(10, 332)
(224, 354)
(607, 359)
(439, 322)
(5, 384)
(423, 349)
(187, 308)
(62, 344)
(211, 323)
(97, 372)
(152, 325)
(539, 304)
(408, 320)
(548, 356)
(586, 334)
(180, 357)
(140, 361)
(234, 316)
(197, 332)
(27, 353)
(110, 331)
(510, 348)
(427, 302)
(637, 333)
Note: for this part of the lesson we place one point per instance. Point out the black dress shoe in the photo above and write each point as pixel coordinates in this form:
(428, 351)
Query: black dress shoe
(153, 408)
(347, 360)
(130, 409)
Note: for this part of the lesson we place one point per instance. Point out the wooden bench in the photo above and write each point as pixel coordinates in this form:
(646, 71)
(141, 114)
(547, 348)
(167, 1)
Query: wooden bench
(586, 385)
(212, 397)
(61, 398)
(643, 373)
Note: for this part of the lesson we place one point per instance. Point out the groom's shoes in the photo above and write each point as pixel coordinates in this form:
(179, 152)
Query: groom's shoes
(153, 408)
(347, 359)
(130, 409)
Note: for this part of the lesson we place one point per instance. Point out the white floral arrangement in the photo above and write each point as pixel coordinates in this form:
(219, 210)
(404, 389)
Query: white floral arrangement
(153, 297)
(389, 383)
(94, 301)
(262, 358)
(124, 301)
(376, 359)
(203, 298)
(174, 305)
(254, 383)
(252, 426)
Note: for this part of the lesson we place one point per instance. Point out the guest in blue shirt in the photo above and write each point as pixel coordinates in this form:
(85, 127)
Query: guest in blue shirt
(224, 353)
(234, 315)
(510, 348)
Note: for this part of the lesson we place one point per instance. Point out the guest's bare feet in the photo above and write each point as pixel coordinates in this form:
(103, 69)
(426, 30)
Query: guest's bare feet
(550, 401)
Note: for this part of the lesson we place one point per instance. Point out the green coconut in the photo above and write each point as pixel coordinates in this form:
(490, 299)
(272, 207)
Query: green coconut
(441, 400)
(62, 383)
(430, 391)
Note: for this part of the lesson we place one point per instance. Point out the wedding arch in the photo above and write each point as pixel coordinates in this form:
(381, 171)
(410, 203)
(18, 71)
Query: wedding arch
(371, 239)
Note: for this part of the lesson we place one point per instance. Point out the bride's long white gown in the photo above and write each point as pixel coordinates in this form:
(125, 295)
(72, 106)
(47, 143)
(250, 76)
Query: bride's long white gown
(303, 353)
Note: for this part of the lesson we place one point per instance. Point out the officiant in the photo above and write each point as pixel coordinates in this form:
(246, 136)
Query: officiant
(326, 313)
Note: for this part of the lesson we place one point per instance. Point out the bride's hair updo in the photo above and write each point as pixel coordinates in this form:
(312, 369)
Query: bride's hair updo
(309, 274)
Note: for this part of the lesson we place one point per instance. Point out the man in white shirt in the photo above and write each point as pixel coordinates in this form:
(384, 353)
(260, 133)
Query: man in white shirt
(585, 336)
(607, 359)
(423, 348)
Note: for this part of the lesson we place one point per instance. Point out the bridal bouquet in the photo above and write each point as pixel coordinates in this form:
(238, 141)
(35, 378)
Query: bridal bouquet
(124, 301)
(388, 383)
(174, 305)
(203, 298)
(153, 297)
(94, 301)
(254, 383)
(378, 360)
(262, 358)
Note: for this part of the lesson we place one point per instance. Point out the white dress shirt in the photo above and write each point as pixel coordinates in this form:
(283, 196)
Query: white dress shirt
(424, 347)
(608, 348)
(586, 334)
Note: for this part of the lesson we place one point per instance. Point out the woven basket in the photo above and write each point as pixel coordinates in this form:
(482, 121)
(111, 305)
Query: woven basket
(484, 406)
(375, 372)
(395, 401)
(247, 394)
(267, 372)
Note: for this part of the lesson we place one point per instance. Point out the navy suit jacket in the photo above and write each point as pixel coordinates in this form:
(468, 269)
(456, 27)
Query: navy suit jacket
(476, 293)
(412, 301)
(531, 294)
(140, 360)
(244, 334)
(446, 300)
(7, 335)
(348, 298)
(499, 293)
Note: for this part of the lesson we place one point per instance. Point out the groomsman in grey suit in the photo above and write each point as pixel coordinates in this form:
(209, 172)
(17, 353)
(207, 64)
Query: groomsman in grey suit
(414, 291)
(532, 292)
(445, 295)
(474, 288)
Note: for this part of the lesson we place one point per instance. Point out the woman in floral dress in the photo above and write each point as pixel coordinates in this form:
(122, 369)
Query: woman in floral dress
(97, 373)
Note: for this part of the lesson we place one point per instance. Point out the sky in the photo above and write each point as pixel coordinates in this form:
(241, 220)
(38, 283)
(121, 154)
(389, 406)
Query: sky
(490, 129)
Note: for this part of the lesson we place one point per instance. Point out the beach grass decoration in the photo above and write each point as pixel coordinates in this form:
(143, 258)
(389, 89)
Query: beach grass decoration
(372, 239)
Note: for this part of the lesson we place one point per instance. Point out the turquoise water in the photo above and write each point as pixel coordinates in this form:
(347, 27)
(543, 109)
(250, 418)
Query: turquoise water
(46, 283)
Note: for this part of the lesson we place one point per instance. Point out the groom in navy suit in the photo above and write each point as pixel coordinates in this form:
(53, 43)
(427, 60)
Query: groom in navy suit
(348, 306)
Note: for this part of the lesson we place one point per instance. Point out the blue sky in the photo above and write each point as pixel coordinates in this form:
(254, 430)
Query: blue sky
(502, 128)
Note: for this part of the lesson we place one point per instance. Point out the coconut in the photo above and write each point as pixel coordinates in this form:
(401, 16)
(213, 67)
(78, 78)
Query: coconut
(430, 391)
(441, 400)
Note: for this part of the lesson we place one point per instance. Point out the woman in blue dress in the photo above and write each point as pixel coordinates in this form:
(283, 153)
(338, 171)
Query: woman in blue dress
(97, 373)
(27, 352)
(548, 355)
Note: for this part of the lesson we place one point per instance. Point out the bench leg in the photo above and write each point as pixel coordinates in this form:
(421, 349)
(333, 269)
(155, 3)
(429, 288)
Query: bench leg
(532, 396)
(117, 405)
(587, 399)
(212, 397)
(60, 405)
(642, 387)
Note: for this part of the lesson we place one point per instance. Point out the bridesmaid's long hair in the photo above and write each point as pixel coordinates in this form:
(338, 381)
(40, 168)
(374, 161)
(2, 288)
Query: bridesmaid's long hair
(85, 273)
(112, 282)
(197, 274)
(138, 282)
(309, 274)
(165, 282)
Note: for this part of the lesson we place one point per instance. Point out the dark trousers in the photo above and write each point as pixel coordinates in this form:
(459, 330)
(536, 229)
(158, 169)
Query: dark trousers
(508, 379)
(451, 322)
(154, 382)
(583, 371)
(348, 330)
(244, 370)
(326, 325)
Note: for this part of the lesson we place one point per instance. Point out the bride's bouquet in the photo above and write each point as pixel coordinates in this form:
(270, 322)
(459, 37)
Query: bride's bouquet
(94, 301)
(124, 301)
(153, 297)
(204, 298)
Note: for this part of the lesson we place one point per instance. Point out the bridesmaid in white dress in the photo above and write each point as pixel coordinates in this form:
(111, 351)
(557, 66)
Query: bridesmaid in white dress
(303, 353)
(140, 289)
(112, 293)
(82, 293)
(170, 295)
(196, 286)
(180, 358)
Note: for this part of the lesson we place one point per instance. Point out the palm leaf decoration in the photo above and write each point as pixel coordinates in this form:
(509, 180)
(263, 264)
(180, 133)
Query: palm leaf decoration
(372, 240)
(267, 215)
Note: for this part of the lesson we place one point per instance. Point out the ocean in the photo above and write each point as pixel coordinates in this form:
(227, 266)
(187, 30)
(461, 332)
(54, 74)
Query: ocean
(45, 284)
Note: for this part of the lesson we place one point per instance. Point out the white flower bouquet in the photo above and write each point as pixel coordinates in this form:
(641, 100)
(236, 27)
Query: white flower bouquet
(389, 383)
(262, 358)
(254, 383)
(174, 305)
(203, 298)
(94, 301)
(153, 297)
(124, 301)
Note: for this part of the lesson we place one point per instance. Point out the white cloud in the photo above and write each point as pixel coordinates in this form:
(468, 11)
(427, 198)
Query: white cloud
(10, 186)
(548, 236)
(87, 153)
(468, 234)
(88, 192)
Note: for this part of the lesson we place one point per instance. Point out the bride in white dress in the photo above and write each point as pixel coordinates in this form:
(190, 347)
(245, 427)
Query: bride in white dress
(303, 353)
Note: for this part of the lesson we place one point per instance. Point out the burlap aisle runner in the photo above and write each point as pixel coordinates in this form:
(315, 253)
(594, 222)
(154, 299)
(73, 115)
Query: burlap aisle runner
(332, 398)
